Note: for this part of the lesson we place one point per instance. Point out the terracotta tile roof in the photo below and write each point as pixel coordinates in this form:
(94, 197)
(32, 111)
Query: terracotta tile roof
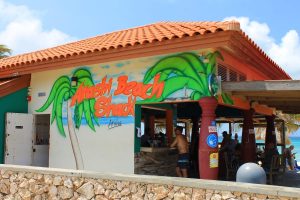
(131, 37)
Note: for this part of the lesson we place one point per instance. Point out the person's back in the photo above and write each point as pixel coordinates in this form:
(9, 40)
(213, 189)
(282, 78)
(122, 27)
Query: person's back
(182, 144)
(162, 138)
(144, 140)
(225, 139)
(231, 149)
(183, 149)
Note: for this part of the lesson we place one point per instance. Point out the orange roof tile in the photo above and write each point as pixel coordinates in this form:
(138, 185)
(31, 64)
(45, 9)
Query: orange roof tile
(131, 37)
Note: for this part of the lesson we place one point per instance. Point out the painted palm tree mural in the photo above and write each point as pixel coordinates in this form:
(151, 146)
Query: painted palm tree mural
(176, 72)
(187, 70)
(62, 92)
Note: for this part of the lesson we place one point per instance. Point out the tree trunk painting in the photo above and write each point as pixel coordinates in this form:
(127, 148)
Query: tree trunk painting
(62, 92)
(74, 140)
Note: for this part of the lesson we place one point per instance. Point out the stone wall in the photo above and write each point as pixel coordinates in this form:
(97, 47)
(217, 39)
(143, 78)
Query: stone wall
(18, 182)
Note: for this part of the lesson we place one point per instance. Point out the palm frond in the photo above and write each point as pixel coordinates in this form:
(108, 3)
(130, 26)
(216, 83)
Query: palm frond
(175, 84)
(173, 65)
(85, 107)
(4, 51)
(63, 81)
(212, 61)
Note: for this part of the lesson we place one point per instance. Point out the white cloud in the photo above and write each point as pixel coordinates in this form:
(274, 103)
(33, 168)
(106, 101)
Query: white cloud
(22, 31)
(286, 52)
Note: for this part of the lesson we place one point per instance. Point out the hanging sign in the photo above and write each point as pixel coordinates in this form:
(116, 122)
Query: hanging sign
(212, 129)
(212, 140)
(213, 123)
(213, 160)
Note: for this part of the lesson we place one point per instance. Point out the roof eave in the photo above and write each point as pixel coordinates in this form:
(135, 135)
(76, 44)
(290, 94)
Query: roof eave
(256, 54)
(189, 43)
(13, 85)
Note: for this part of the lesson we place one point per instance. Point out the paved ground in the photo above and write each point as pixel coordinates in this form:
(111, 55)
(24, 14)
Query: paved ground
(289, 179)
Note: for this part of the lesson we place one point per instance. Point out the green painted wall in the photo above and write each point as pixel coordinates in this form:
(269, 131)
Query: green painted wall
(15, 102)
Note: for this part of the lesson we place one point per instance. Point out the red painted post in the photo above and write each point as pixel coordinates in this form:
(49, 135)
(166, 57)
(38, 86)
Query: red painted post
(248, 138)
(270, 131)
(208, 140)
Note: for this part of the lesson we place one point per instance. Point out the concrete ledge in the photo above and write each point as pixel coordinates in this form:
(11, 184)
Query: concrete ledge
(184, 182)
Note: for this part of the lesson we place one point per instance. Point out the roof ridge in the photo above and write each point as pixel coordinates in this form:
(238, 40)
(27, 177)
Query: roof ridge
(72, 42)
(232, 25)
(139, 35)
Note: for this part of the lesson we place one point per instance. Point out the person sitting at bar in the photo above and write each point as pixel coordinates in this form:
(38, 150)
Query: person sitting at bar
(145, 140)
(228, 146)
(224, 141)
(183, 149)
(162, 139)
(297, 167)
(238, 154)
(270, 151)
(222, 165)
(236, 138)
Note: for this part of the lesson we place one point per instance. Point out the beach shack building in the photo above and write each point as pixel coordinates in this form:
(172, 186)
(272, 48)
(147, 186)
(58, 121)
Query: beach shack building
(80, 105)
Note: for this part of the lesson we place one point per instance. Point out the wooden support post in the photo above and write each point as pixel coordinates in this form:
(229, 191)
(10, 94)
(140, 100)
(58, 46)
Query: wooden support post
(270, 132)
(194, 144)
(152, 126)
(283, 135)
(169, 126)
(230, 128)
(248, 138)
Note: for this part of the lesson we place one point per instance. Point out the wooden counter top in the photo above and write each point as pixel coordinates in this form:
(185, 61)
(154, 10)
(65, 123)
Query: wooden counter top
(156, 149)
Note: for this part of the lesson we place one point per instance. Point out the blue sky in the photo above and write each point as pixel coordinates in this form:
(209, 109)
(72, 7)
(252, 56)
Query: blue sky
(92, 17)
(28, 25)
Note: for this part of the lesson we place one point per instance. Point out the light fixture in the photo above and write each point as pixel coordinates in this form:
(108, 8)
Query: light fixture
(74, 81)
(15, 74)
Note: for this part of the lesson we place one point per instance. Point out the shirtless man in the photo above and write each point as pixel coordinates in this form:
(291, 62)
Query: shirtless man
(183, 149)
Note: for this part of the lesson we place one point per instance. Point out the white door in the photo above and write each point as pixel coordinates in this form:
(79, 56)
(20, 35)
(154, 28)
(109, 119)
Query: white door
(19, 138)
(40, 156)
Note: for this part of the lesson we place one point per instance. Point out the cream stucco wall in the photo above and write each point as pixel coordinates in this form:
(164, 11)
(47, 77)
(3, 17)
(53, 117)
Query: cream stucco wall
(106, 150)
